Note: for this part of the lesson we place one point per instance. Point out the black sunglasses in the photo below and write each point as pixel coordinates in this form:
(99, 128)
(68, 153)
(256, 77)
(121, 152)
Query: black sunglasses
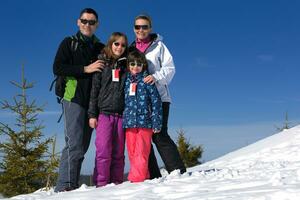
(137, 64)
(138, 27)
(90, 22)
(118, 44)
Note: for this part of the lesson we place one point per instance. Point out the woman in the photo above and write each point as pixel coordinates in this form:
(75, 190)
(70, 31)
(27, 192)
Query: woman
(161, 68)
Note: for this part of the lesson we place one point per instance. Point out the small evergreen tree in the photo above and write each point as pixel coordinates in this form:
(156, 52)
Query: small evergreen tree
(190, 155)
(53, 164)
(286, 123)
(24, 166)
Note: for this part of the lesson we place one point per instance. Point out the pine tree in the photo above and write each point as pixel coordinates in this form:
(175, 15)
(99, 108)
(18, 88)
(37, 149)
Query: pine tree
(286, 125)
(24, 166)
(190, 155)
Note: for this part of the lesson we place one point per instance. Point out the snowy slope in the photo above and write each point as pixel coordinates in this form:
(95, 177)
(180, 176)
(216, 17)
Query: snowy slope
(266, 170)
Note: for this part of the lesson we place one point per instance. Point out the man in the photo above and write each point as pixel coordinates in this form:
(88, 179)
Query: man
(75, 61)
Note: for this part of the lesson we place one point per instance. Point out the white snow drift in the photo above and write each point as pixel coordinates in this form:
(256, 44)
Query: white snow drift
(266, 170)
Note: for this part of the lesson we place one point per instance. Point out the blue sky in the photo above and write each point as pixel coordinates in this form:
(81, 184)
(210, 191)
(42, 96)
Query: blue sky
(237, 62)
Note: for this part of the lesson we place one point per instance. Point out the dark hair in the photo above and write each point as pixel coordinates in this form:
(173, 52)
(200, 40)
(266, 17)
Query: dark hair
(145, 17)
(90, 11)
(108, 48)
(137, 56)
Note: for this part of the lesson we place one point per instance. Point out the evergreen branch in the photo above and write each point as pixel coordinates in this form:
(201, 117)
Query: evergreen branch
(6, 129)
(7, 147)
(50, 155)
(3, 103)
(30, 85)
(17, 107)
(16, 84)
(2, 166)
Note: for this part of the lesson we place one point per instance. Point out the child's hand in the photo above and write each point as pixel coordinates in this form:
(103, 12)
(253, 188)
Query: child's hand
(93, 122)
(155, 131)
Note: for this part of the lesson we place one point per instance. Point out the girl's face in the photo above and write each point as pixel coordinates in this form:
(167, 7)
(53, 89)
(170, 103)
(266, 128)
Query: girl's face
(118, 46)
(142, 29)
(135, 67)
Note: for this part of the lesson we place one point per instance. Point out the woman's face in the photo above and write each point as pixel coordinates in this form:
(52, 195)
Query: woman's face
(118, 46)
(141, 29)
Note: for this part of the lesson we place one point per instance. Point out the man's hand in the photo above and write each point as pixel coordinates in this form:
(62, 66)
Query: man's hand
(93, 122)
(149, 79)
(96, 66)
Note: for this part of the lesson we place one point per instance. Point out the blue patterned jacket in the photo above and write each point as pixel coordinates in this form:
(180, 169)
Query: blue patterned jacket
(144, 109)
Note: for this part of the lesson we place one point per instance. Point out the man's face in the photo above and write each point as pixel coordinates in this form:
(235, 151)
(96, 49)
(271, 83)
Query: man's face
(87, 24)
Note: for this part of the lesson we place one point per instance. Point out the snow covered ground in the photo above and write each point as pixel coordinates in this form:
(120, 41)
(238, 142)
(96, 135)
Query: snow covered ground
(266, 170)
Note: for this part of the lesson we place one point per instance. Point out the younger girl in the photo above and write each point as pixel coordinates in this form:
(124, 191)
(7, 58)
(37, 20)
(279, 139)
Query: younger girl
(142, 116)
(105, 112)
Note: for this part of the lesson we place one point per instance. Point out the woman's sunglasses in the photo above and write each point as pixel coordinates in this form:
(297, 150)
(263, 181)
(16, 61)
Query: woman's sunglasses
(143, 27)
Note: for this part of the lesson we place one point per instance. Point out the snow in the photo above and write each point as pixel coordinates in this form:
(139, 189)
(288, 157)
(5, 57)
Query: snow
(266, 170)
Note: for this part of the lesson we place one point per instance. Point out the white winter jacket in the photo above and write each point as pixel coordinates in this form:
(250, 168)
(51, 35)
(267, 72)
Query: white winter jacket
(161, 67)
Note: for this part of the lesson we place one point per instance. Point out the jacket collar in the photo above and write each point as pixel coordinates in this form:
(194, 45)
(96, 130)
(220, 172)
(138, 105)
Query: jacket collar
(154, 37)
(85, 39)
(138, 76)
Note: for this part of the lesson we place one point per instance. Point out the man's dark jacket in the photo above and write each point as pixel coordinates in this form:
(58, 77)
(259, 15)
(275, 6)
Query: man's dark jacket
(70, 61)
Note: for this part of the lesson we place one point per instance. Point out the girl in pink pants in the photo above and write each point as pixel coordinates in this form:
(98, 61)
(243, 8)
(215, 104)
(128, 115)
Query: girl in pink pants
(142, 116)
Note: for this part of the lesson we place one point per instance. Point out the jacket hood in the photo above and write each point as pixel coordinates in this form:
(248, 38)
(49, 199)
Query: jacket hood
(155, 37)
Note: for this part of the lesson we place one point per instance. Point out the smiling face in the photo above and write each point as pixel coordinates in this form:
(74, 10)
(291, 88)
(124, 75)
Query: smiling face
(136, 62)
(142, 28)
(87, 24)
(135, 67)
(118, 46)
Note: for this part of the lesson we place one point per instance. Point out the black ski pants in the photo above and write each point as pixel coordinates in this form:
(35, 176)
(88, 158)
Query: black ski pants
(166, 148)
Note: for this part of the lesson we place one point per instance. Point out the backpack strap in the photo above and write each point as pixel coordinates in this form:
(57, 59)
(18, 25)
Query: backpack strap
(62, 108)
(74, 42)
(52, 84)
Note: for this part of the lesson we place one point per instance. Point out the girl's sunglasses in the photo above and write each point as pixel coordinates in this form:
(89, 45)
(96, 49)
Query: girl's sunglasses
(118, 44)
(136, 64)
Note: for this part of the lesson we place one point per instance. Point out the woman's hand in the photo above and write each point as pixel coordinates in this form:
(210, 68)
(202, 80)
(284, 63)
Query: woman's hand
(149, 79)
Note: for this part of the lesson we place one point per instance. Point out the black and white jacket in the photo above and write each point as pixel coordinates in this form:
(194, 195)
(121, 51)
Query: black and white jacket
(107, 96)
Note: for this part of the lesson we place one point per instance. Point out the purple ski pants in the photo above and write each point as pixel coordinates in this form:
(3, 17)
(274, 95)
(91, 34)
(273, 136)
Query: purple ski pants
(110, 142)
